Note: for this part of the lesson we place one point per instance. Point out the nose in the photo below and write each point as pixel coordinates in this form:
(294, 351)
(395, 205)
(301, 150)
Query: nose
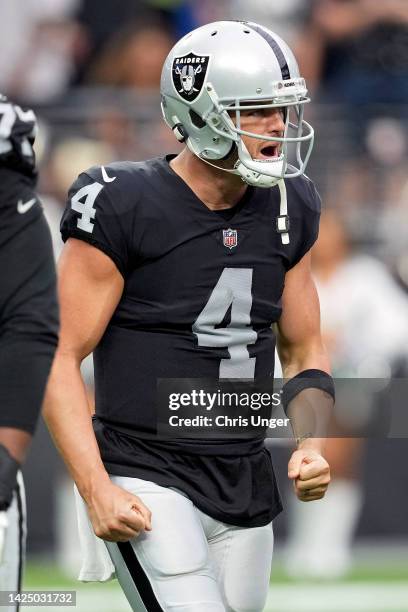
(275, 121)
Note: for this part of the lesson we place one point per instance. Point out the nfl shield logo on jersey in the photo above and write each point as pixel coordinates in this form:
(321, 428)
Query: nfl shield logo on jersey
(230, 238)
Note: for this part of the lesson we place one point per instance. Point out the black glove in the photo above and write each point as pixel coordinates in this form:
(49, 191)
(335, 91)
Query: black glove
(18, 129)
(8, 477)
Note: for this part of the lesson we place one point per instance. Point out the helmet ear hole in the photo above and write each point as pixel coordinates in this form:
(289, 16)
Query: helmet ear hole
(179, 132)
(196, 119)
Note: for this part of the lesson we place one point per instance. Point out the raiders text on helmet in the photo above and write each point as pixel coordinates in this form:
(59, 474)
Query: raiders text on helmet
(222, 68)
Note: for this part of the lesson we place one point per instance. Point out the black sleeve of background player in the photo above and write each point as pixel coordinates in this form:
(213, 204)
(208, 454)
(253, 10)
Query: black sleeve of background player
(309, 213)
(28, 323)
(105, 228)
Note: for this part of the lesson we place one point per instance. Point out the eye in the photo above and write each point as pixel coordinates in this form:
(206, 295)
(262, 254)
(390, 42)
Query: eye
(253, 112)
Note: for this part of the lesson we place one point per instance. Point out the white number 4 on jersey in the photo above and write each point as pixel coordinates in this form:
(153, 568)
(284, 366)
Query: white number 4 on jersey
(233, 290)
(83, 202)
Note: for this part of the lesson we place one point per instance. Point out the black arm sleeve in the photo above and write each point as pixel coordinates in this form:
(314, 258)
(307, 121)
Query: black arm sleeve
(305, 208)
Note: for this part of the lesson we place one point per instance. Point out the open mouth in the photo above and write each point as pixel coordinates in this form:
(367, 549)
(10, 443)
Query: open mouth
(269, 152)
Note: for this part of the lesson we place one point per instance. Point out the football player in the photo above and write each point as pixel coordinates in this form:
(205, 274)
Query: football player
(176, 268)
(28, 325)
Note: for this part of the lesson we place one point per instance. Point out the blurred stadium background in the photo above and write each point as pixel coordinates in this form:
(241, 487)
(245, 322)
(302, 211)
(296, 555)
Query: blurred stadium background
(91, 70)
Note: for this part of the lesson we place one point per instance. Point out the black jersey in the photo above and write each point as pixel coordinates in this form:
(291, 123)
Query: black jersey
(201, 292)
(19, 204)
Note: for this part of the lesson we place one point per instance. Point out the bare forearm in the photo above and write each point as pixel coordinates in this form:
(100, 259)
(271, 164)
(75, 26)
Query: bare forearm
(67, 415)
(309, 419)
(295, 359)
(310, 411)
(308, 389)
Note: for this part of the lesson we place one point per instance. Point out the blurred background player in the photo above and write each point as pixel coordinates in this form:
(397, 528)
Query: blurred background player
(28, 325)
(365, 329)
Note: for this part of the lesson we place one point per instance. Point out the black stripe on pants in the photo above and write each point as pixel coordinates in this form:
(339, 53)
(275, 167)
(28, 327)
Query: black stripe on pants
(139, 577)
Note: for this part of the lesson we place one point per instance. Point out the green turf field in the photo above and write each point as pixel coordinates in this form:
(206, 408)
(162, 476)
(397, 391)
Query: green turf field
(368, 588)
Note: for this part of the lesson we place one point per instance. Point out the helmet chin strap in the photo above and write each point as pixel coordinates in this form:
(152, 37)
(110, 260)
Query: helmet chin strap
(230, 170)
(283, 221)
(253, 171)
(254, 178)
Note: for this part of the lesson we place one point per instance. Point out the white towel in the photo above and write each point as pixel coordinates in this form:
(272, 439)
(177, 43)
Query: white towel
(96, 562)
(3, 528)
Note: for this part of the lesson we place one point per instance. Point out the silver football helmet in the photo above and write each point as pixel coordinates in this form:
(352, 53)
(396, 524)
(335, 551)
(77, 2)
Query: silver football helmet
(226, 67)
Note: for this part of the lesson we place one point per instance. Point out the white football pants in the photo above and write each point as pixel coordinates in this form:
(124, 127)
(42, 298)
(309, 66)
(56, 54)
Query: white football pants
(12, 543)
(190, 562)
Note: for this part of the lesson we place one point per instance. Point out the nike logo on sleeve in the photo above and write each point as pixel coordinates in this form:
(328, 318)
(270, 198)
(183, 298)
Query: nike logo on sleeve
(105, 176)
(23, 207)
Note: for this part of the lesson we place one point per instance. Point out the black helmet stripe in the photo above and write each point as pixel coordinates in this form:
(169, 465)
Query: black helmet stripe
(274, 46)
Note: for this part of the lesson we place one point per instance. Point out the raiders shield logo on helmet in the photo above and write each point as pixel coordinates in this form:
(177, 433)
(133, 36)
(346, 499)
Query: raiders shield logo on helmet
(188, 75)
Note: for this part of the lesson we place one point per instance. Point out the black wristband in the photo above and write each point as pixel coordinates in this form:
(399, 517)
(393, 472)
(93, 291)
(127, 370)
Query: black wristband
(307, 379)
(8, 477)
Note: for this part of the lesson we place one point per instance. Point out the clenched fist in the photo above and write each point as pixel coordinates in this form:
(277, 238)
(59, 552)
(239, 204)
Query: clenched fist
(310, 473)
(116, 514)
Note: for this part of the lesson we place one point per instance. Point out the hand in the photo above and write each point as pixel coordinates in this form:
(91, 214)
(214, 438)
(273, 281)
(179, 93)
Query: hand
(116, 514)
(310, 473)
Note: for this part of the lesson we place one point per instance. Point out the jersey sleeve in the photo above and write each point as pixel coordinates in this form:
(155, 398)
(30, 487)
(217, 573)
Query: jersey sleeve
(307, 218)
(94, 213)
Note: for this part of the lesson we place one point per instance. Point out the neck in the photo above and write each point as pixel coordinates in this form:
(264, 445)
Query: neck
(216, 188)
